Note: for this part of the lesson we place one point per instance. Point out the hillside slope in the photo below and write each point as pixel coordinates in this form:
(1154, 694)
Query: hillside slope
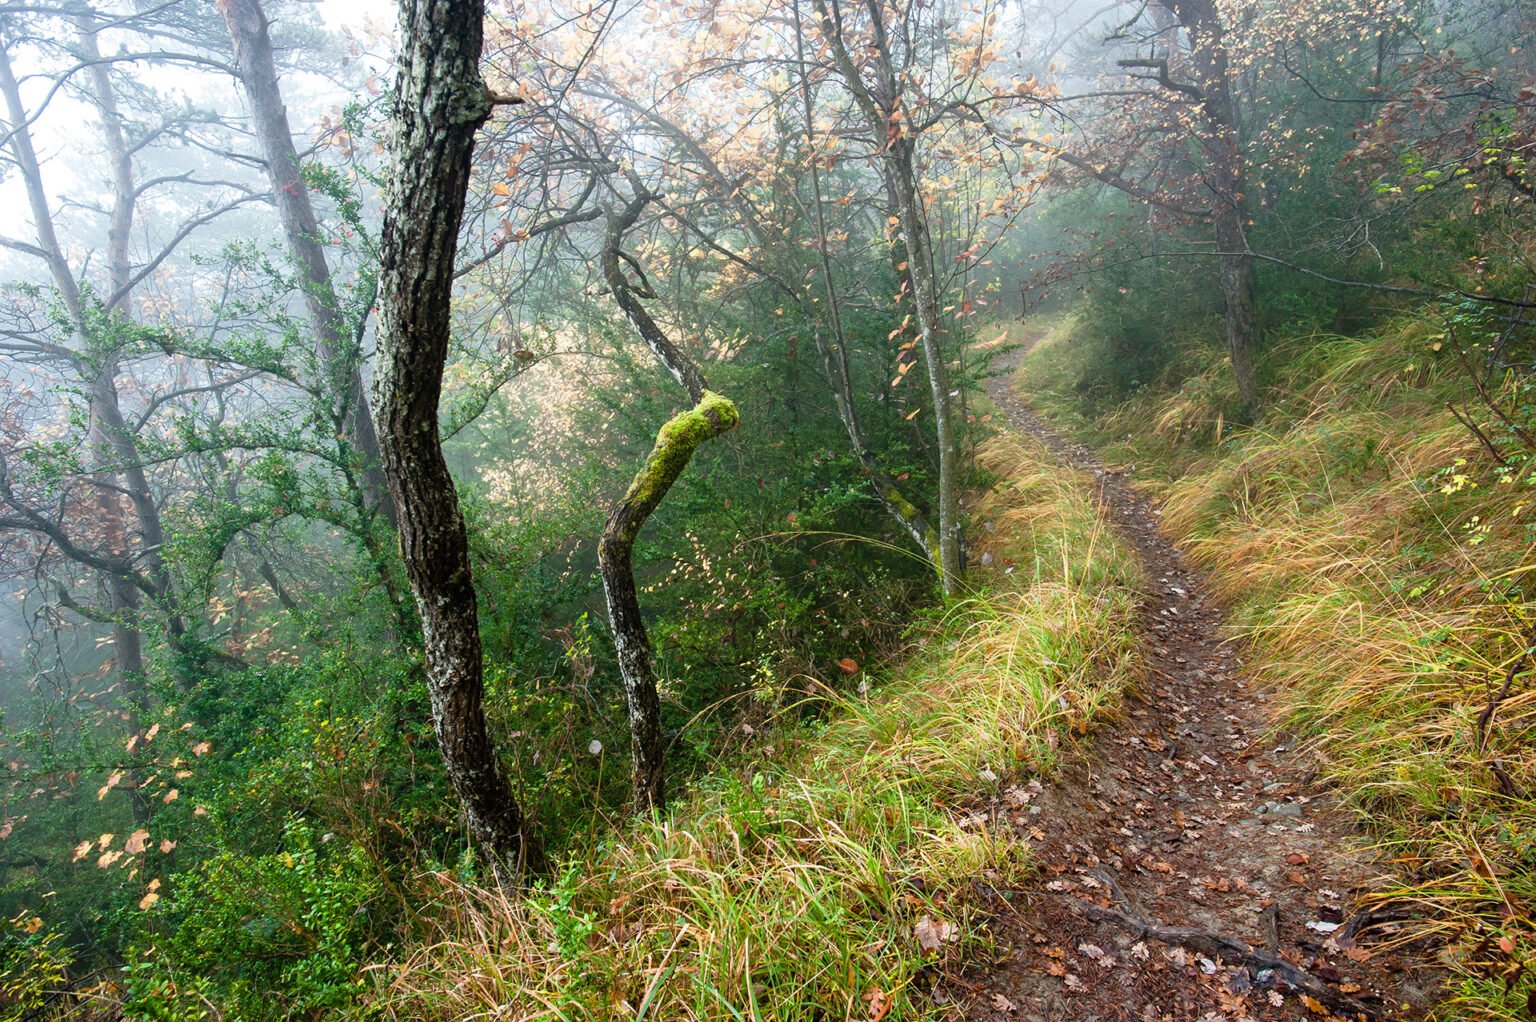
(832, 867)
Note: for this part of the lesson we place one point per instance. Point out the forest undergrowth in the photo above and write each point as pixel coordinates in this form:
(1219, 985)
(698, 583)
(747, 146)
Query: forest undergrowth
(828, 871)
(1374, 552)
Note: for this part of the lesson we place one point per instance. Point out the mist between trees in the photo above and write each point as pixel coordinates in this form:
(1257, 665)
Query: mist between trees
(421, 449)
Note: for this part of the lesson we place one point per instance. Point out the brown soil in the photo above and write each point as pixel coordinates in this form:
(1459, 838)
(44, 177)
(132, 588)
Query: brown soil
(1206, 817)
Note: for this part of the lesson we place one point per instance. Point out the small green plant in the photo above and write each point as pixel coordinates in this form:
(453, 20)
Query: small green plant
(248, 927)
(572, 925)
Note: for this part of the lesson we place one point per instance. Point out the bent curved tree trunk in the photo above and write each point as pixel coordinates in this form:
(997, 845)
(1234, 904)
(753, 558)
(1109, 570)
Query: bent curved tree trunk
(676, 442)
(440, 102)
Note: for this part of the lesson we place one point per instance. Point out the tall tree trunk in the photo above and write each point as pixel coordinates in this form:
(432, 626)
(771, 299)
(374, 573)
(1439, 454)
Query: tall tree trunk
(1228, 180)
(676, 442)
(440, 103)
(930, 326)
(248, 32)
(834, 353)
(114, 449)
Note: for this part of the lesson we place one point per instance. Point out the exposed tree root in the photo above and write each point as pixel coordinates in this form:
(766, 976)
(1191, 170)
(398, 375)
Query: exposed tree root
(1217, 945)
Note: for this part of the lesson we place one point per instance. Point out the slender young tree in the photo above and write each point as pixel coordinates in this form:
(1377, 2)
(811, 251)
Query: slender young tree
(335, 343)
(676, 443)
(878, 85)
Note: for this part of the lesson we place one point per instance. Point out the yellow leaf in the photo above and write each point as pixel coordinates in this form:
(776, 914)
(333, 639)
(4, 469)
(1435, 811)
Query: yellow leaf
(136, 842)
(112, 782)
(82, 850)
(33, 925)
(166, 847)
(171, 795)
(148, 900)
(500, 188)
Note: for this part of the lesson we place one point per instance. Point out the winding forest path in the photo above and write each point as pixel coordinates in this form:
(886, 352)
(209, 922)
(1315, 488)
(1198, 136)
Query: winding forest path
(1187, 811)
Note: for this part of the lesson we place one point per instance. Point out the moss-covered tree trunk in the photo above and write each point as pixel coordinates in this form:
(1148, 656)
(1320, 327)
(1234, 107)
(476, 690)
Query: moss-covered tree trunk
(675, 445)
(440, 103)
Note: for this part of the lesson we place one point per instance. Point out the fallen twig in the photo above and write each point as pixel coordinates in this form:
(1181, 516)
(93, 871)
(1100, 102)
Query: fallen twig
(1269, 922)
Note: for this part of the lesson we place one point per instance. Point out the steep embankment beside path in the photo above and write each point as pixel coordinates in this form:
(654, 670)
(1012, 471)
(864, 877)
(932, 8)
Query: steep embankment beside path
(833, 867)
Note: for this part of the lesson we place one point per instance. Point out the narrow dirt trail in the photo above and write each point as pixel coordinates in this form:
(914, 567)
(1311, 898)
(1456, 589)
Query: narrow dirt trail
(1187, 811)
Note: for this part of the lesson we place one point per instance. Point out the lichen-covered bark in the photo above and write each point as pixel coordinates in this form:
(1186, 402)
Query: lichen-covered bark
(440, 102)
(675, 445)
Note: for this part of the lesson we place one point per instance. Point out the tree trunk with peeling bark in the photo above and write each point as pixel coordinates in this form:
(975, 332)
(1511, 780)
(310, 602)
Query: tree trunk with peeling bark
(440, 103)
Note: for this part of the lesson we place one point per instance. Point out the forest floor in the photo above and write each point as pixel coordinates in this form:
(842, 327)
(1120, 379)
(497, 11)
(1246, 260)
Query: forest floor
(1190, 864)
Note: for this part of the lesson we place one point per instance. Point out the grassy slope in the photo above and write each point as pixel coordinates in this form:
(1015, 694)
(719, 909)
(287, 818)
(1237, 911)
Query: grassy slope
(1373, 559)
(803, 880)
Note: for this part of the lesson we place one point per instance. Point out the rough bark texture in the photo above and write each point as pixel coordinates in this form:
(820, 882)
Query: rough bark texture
(252, 42)
(675, 445)
(1228, 182)
(440, 102)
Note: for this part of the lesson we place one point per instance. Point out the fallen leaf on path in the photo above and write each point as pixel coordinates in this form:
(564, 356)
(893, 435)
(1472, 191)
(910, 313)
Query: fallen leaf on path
(933, 934)
(1001, 1003)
